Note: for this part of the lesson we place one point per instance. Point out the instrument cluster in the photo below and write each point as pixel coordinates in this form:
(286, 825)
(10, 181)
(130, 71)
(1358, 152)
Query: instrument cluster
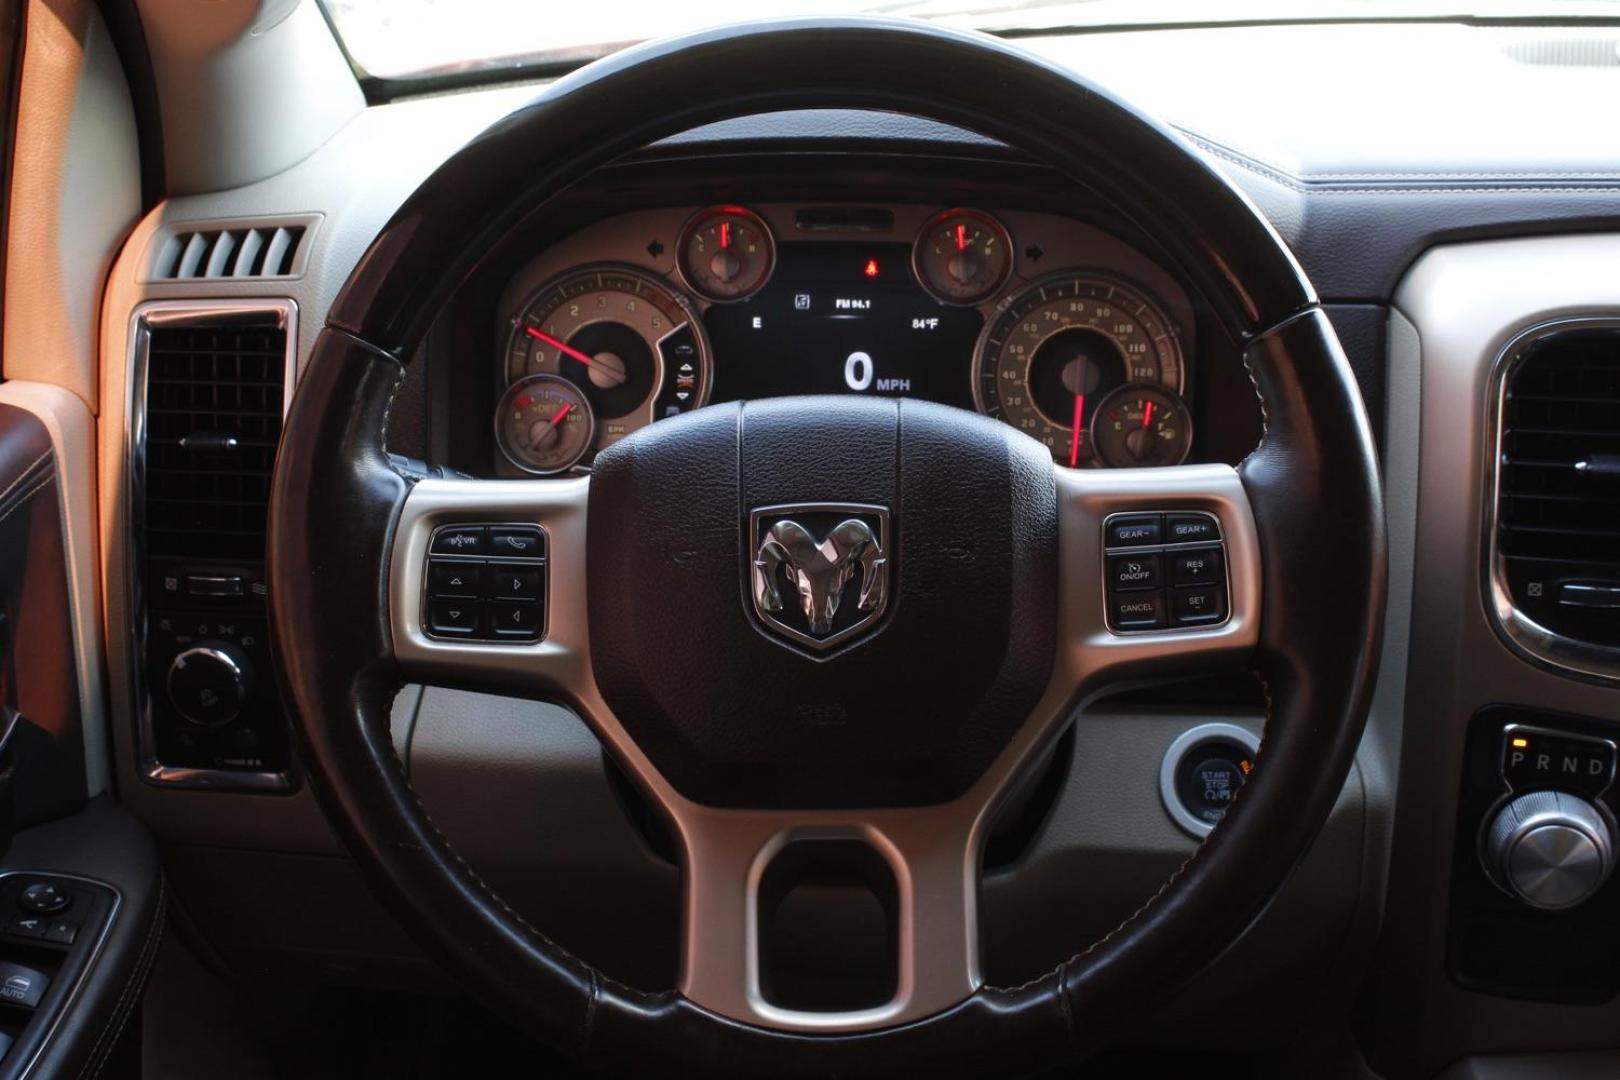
(1045, 322)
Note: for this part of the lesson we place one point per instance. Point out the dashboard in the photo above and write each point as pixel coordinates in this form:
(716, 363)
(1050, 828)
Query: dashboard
(1398, 171)
(1048, 323)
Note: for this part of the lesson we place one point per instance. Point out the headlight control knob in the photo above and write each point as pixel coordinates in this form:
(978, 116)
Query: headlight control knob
(209, 683)
(1550, 849)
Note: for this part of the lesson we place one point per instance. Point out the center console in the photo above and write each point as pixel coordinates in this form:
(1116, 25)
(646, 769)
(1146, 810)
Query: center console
(1535, 909)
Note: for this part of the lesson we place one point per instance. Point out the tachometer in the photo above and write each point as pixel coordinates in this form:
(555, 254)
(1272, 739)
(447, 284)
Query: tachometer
(1059, 346)
(633, 347)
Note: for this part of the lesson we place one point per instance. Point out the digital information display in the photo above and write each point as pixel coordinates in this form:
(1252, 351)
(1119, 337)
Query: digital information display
(843, 318)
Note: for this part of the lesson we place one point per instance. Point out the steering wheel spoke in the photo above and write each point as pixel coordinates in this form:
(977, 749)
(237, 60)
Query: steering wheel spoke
(920, 866)
(481, 609)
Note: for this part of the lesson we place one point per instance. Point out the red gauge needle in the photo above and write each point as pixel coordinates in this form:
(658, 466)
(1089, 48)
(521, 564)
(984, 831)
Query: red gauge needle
(725, 234)
(1147, 414)
(1074, 436)
(961, 238)
(562, 414)
(560, 346)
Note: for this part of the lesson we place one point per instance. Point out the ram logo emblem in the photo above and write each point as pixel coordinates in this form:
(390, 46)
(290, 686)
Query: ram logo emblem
(820, 572)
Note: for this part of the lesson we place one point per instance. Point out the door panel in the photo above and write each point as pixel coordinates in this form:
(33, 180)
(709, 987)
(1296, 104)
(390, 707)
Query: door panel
(38, 672)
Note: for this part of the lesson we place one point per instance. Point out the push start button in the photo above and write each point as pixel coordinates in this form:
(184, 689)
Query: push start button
(1202, 773)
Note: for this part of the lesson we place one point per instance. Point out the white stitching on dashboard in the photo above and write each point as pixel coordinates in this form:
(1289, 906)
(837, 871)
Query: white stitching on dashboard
(1428, 183)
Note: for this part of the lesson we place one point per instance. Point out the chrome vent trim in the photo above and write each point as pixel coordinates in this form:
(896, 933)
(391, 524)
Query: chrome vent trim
(1524, 634)
(147, 316)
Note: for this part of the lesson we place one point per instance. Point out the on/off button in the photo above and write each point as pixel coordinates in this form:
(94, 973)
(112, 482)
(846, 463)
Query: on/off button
(1132, 572)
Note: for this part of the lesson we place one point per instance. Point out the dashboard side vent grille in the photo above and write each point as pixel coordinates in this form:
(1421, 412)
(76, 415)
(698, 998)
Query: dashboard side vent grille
(226, 251)
(1557, 537)
(214, 395)
(1596, 52)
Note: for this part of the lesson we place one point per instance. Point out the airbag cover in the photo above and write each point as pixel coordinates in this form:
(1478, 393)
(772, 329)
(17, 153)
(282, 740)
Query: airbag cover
(907, 709)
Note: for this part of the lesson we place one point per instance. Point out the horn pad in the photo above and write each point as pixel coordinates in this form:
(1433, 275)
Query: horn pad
(938, 663)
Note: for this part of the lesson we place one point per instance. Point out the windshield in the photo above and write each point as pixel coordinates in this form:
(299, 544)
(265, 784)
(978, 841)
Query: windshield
(411, 39)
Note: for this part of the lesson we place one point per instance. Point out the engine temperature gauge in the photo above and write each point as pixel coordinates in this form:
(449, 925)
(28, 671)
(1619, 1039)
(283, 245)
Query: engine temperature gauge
(544, 424)
(1138, 426)
(727, 253)
(962, 256)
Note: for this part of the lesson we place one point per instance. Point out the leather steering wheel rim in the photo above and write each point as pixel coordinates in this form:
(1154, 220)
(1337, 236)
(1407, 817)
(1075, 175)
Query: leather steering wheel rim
(1312, 483)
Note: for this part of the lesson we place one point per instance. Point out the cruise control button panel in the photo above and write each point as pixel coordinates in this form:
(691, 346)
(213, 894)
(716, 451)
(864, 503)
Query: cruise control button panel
(486, 582)
(1164, 571)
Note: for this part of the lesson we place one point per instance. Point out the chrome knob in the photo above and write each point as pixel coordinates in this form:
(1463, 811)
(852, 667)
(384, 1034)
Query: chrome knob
(210, 682)
(1550, 849)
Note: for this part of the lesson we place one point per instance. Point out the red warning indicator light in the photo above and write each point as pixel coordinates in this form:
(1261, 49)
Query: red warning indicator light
(871, 270)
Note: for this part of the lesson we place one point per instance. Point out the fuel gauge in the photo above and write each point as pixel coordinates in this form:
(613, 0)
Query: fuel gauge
(1138, 426)
(544, 424)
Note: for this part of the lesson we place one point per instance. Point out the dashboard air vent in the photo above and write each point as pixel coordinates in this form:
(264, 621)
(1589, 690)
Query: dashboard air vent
(224, 251)
(1556, 541)
(214, 396)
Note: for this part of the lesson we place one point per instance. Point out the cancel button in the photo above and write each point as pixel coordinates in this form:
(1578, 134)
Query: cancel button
(1136, 611)
(1129, 572)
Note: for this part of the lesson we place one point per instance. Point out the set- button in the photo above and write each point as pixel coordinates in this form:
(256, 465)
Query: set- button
(486, 583)
(1164, 571)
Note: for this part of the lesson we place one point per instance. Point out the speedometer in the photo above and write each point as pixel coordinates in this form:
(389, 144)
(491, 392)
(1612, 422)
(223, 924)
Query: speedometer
(1062, 343)
(631, 345)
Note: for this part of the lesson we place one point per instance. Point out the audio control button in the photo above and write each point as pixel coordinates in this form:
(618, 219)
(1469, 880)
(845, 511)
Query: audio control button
(517, 541)
(448, 578)
(459, 540)
(455, 618)
(518, 621)
(514, 581)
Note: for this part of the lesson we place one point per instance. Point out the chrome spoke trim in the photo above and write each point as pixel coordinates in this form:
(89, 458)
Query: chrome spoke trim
(934, 852)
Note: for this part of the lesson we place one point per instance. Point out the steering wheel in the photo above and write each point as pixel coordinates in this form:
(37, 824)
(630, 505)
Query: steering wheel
(904, 737)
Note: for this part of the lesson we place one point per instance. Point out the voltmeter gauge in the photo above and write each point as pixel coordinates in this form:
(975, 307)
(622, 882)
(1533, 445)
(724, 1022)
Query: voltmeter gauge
(1141, 426)
(544, 424)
